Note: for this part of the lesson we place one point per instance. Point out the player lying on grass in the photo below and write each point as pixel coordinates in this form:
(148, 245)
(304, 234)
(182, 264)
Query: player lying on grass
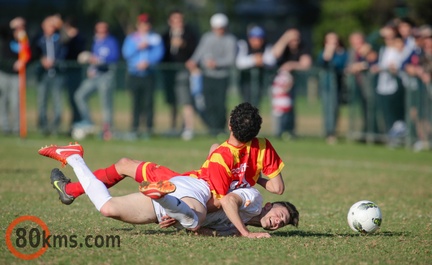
(186, 203)
(271, 216)
(138, 209)
(236, 163)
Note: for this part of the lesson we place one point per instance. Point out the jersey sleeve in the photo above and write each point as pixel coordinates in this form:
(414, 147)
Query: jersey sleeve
(251, 202)
(251, 206)
(272, 163)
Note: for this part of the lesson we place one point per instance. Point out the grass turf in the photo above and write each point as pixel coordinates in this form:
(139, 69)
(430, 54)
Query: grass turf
(322, 181)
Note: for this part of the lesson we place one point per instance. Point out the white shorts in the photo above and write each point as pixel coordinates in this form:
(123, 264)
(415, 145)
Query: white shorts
(190, 187)
(251, 206)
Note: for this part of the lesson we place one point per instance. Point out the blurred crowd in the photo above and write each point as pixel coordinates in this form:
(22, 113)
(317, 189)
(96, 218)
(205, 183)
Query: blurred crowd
(199, 79)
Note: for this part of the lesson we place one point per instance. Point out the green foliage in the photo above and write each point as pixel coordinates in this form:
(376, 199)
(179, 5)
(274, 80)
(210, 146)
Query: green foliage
(342, 17)
(125, 12)
(322, 181)
(421, 11)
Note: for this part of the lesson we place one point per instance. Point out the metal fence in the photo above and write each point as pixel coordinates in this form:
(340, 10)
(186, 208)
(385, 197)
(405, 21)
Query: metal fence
(365, 119)
(363, 105)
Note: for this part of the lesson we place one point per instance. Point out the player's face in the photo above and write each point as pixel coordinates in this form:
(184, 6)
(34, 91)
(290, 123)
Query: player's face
(276, 218)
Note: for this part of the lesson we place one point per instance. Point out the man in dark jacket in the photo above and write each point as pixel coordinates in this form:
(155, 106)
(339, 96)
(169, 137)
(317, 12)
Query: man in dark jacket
(180, 42)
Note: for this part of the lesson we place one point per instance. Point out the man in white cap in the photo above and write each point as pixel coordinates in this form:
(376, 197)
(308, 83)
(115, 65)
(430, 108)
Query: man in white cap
(215, 55)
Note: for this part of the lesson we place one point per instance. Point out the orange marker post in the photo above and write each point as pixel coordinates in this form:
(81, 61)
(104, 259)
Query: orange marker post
(23, 56)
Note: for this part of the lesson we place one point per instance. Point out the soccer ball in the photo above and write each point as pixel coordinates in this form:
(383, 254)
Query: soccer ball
(364, 217)
(78, 134)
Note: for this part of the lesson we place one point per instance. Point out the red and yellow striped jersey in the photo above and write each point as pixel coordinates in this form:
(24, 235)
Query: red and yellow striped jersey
(230, 167)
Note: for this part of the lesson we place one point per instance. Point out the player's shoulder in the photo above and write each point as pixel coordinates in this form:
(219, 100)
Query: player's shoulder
(261, 141)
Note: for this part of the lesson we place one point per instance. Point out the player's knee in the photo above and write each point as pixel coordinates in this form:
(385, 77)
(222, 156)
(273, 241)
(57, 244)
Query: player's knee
(124, 161)
(123, 164)
(108, 210)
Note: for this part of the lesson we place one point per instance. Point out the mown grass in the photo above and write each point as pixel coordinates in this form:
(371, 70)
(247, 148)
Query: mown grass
(322, 181)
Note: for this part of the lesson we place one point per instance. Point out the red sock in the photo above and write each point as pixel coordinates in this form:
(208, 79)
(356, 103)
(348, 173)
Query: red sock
(109, 176)
(74, 189)
(139, 174)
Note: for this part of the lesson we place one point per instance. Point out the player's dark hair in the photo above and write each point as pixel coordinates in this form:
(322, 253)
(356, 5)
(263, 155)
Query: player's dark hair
(292, 210)
(245, 122)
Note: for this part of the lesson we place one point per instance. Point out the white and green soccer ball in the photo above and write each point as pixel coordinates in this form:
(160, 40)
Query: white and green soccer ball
(78, 134)
(364, 217)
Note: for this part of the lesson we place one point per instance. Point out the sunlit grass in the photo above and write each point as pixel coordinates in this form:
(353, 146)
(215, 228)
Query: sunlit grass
(322, 181)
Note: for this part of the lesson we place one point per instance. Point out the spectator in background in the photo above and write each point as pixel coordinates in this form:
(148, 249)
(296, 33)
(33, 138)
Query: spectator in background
(101, 77)
(413, 82)
(390, 93)
(142, 50)
(51, 53)
(405, 29)
(424, 128)
(291, 56)
(426, 57)
(14, 54)
(215, 54)
(75, 44)
(253, 55)
(333, 60)
(180, 42)
(360, 57)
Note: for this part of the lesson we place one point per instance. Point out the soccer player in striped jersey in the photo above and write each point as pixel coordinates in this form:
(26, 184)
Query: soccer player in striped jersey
(239, 162)
(138, 209)
(236, 163)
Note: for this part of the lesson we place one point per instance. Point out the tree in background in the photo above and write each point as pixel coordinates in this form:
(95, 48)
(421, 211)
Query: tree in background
(343, 17)
(125, 12)
(421, 10)
(346, 16)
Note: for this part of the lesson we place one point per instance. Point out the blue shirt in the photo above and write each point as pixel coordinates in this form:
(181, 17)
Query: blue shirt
(338, 61)
(106, 50)
(152, 54)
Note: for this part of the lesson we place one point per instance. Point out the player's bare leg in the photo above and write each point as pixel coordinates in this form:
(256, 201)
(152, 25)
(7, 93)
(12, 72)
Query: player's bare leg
(188, 211)
(133, 208)
(197, 207)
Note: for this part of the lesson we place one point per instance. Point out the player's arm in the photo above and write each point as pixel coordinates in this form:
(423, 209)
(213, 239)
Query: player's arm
(274, 185)
(272, 168)
(205, 231)
(231, 205)
(213, 205)
(202, 231)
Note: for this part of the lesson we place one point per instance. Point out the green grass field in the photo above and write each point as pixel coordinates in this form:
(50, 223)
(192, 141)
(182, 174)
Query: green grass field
(322, 181)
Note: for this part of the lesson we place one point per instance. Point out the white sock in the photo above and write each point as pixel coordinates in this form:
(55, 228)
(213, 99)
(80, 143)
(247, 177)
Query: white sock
(179, 210)
(94, 188)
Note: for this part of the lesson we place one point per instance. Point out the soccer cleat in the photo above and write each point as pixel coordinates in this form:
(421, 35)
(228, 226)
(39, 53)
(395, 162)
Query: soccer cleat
(156, 190)
(59, 181)
(60, 153)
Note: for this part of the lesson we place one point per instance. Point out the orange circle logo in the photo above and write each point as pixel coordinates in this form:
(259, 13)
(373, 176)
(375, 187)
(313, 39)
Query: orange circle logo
(16, 251)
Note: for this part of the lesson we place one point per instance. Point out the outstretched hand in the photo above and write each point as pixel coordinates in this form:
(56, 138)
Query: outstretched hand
(258, 235)
(167, 221)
